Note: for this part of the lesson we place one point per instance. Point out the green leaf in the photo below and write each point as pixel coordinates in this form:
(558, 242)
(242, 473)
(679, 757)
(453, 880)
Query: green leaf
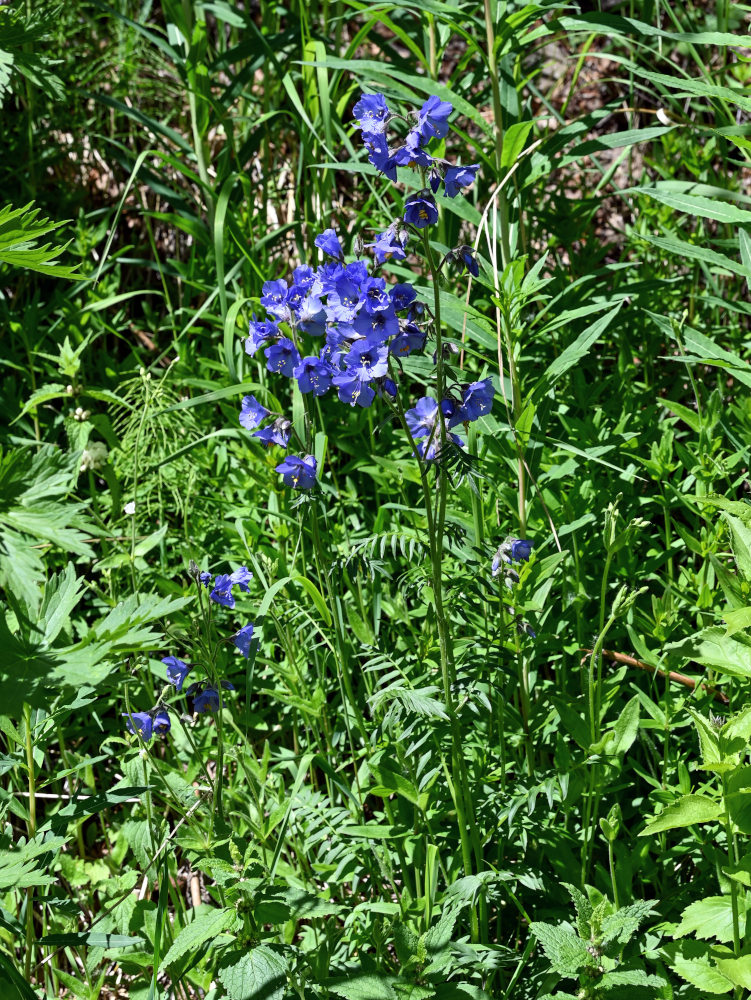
(687, 811)
(711, 919)
(258, 974)
(20, 232)
(693, 961)
(363, 986)
(741, 533)
(564, 949)
(627, 726)
(91, 939)
(692, 252)
(737, 620)
(207, 924)
(692, 204)
(573, 354)
(738, 970)
(712, 647)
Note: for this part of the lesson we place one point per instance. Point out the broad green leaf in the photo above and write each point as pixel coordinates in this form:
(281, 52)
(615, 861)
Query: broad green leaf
(564, 948)
(737, 620)
(687, 811)
(363, 986)
(207, 924)
(711, 919)
(712, 647)
(258, 974)
(693, 961)
(738, 970)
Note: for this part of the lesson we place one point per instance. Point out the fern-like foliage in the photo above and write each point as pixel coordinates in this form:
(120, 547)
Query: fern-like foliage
(21, 56)
(34, 514)
(21, 229)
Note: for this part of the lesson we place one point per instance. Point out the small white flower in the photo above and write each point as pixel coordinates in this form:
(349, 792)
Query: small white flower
(130, 507)
(94, 456)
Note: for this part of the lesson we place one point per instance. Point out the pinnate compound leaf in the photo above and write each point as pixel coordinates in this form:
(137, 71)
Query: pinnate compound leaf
(207, 924)
(566, 951)
(258, 974)
(689, 809)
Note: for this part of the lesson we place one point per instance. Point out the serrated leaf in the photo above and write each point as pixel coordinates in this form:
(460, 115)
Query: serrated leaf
(693, 961)
(712, 647)
(258, 974)
(208, 923)
(687, 811)
(363, 986)
(566, 952)
(711, 919)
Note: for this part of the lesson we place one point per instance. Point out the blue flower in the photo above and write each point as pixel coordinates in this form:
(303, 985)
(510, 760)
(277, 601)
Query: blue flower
(375, 295)
(465, 255)
(422, 421)
(379, 155)
(420, 210)
(353, 389)
(411, 338)
(477, 399)
(282, 357)
(313, 375)
(242, 638)
(411, 154)
(161, 723)
(258, 333)
(205, 579)
(402, 296)
(252, 413)
(367, 360)
(433, 118)
(274, 298)
(311, 317)
(298, 473)
(242, 578)
(512, 550)
(371, 113)
(177, 671)
(458, 177)
(141, 723)
(378, 326)
(222, 592)
(328, 241)
(277, 433)
(343, 301)
(387, 385)
(206, 701)
(390, 243)
(521, 549)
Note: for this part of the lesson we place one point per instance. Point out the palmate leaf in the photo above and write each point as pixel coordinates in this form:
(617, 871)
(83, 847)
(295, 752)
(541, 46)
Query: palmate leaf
(32, 490)
(20, 232)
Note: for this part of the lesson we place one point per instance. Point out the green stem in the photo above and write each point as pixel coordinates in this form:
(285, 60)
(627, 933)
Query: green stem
(498, 118)
(32, 829)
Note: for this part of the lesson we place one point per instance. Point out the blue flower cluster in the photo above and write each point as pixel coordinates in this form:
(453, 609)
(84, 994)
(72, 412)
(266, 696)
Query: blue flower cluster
(423, 419)
(205, 695)
(430, 122)
(362, 319)
(366, 324)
